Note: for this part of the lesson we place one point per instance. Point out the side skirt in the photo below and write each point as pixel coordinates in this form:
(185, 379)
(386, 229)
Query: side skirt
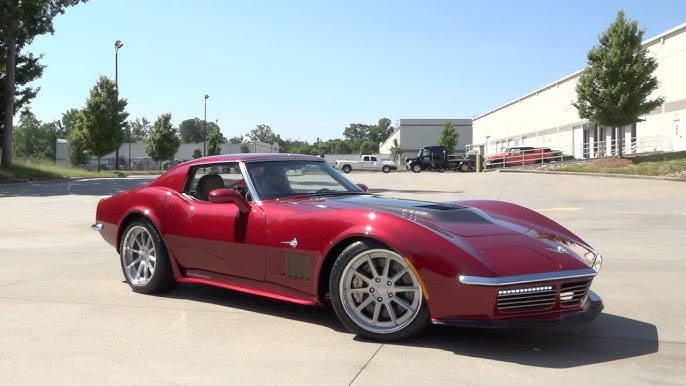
(268, 290)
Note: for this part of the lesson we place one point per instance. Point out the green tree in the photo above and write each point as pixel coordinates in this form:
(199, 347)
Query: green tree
(20, 23)
(197, 153)
(65, 126)
(244, 148)
(100, 125)
(366, 147)
(449, 137)
(262, 133)
(214, 141)
(238, 139)
(33, 139)
(163, 141)
(139, 130)
(192, 131)
(76, 152)
(396, 150)
(613, 89)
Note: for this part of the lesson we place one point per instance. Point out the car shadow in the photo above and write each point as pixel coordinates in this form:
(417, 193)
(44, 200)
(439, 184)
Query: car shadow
(63, 187)
(323, 316)
(608, 338)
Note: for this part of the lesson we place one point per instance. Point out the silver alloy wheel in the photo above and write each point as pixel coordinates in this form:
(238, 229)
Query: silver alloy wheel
(380, 292)
(417, 168)
(139, 256)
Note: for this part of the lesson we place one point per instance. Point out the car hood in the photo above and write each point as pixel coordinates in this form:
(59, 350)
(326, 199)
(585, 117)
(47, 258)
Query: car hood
(458, 220)
(496, 242)
(497, 155)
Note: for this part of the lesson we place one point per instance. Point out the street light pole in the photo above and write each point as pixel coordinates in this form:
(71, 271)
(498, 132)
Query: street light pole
(204, 141)
(117, 45)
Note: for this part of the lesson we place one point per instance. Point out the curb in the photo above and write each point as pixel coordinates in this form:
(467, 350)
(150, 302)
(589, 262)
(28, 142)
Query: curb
(631, 176)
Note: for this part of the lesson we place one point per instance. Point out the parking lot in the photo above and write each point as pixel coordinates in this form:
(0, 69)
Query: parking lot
(67, 317)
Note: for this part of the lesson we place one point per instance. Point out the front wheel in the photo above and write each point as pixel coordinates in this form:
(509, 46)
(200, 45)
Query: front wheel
(465, 168)
(386, 169)
(416, 168)
(144, 259)
(346, 169)
(376, 294)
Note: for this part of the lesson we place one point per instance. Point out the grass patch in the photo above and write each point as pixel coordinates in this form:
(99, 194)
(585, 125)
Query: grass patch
(665, 165)
(32, 170)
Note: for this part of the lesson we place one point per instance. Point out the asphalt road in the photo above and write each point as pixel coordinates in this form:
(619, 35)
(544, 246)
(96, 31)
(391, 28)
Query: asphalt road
(67, 317)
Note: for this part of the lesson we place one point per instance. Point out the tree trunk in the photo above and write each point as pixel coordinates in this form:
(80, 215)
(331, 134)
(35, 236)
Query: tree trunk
(10, 89)
(98, 164)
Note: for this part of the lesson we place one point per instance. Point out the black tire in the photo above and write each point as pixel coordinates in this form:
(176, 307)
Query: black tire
(140, 242)
(465, 168)
(416, 168)
(346, 169)
(386, 169)
(352, 268)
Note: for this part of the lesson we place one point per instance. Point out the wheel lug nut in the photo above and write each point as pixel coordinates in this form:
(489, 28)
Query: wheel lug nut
(377, 280)
(379, 299)
(371, 289)
(389, 283)
(390, 295)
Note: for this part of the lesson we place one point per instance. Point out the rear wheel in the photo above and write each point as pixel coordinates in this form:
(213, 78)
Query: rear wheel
(376, 294)
(465, 167)
(346, 169)
(144, 259)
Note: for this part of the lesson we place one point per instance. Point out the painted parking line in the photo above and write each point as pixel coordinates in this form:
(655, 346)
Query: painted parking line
(570, 209)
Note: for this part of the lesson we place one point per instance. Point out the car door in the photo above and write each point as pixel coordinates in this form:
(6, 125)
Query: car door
(215, 237)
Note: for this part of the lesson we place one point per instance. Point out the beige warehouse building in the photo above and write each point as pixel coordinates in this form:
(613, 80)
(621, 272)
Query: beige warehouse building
(546, 117)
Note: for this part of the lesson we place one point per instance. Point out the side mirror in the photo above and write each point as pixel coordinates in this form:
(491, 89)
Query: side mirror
(219, 196)
(363, 187)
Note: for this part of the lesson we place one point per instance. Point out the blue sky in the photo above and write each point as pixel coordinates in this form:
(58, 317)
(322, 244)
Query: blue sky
(310, 68)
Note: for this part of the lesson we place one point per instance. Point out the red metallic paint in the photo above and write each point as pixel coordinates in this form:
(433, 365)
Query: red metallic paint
(247, 252)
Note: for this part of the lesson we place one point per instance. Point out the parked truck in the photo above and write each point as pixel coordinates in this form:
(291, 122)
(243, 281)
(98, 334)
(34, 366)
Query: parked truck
(436, 158)
(366, 162)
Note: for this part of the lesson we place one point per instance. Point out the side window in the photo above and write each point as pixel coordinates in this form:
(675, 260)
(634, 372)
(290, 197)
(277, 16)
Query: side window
(365, 158)
(373, 159)
(205, 178)
(516, 151)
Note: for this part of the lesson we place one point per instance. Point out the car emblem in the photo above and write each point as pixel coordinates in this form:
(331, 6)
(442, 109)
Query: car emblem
(293, 243)
(559, 249)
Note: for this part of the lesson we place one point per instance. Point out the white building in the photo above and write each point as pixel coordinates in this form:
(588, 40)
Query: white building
(546, 117)
(412, 134)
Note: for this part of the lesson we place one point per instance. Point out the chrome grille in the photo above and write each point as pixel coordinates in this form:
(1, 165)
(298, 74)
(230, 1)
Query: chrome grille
(526, 299)
(572, 294)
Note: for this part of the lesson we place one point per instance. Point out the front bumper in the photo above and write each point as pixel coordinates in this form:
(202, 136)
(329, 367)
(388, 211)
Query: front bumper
(592, 308)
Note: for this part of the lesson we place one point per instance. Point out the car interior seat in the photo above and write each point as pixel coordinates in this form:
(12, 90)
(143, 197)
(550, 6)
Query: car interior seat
(206, 184)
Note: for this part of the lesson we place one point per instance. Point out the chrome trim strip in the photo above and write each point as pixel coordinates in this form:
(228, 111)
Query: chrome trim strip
(521, 279)
(96, 227)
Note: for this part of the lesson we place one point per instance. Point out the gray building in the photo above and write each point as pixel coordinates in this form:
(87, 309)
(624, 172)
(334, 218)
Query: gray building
(412, 134)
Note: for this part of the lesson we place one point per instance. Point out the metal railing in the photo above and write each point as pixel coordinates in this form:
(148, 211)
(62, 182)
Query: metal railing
(591, 150)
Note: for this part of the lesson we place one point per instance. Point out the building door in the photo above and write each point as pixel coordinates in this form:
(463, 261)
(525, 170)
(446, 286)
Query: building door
(578, 141)
(677, 141)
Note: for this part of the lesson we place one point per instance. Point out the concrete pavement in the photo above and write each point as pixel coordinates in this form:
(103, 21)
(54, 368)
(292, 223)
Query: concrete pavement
(67, 317)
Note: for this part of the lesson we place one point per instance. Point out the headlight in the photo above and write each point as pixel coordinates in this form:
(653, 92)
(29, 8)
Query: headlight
(598, 262)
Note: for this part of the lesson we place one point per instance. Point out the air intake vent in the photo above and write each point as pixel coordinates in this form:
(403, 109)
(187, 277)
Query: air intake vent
(526, 299)
(572, 294)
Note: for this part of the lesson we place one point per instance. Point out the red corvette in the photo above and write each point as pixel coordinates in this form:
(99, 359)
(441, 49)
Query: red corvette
(291, 227)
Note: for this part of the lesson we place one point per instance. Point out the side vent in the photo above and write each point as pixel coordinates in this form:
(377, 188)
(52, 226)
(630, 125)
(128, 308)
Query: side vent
(298, 266)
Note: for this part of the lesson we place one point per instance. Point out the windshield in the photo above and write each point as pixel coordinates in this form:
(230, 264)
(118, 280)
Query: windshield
(278, 179)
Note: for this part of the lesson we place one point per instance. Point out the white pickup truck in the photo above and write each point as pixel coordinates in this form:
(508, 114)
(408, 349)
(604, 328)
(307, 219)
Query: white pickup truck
(366, 162)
